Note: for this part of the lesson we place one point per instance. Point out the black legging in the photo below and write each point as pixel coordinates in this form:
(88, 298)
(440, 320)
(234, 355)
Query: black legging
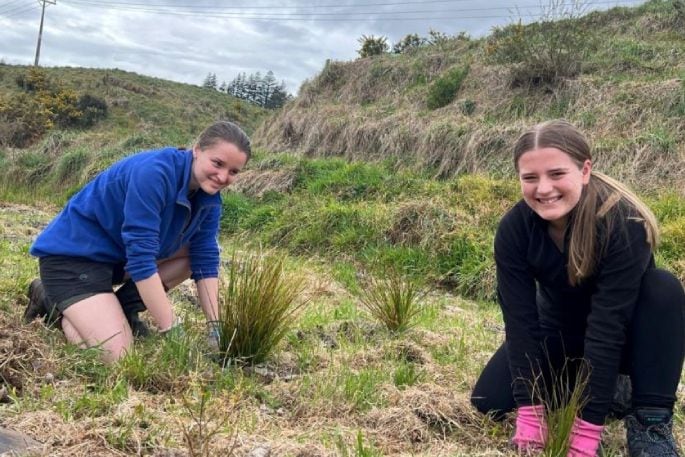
(653, 357)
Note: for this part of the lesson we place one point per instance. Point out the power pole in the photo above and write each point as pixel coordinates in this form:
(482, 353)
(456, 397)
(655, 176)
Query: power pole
(40, 31)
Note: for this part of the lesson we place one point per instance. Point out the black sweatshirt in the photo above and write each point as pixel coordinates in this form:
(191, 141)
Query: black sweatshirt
(600, 308)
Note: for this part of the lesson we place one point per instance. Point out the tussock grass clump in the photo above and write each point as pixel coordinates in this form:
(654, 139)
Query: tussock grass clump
(563, 400)
(257, 305)
(393, 300)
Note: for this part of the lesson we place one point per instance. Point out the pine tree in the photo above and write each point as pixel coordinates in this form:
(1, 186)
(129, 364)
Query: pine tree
(210, 81)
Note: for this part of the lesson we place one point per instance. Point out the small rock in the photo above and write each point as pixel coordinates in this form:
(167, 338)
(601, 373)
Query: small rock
(265, 409)
(262, 450)
(49, 378)
(12, 442)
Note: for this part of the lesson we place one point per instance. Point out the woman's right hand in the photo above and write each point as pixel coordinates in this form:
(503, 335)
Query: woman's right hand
(531, 429)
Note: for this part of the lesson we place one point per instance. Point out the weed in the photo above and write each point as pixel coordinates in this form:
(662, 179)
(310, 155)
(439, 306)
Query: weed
(257, 304)
(359, 449)
(406, 374)
(361, 388)
(199, 435)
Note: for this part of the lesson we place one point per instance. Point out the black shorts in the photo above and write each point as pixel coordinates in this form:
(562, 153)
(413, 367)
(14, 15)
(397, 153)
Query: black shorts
(67, 280)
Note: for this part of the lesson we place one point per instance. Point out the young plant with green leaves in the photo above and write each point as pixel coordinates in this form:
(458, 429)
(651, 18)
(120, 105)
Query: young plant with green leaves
(563, 400)
(258, 301)
(393, 300)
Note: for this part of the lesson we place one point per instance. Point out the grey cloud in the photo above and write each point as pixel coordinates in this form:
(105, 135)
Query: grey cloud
(186, 48)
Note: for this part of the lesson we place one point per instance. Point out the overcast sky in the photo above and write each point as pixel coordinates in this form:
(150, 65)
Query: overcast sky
(183, 40)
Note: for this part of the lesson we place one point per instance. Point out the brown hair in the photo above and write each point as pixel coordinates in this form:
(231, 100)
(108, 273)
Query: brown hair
(598, 201)
(225, 131)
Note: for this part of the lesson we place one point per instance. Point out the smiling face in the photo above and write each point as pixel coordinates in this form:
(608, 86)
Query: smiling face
(216, 166)
(552, 183)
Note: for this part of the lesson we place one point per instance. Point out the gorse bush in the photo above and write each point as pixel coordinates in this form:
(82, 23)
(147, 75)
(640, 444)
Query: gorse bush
(23, 119)
(545, 51)
(393, 300)
(43, 105)
(257, 304)
(445, 88)
(92, 109)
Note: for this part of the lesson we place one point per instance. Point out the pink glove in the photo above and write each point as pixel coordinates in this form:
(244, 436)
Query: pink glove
(585, 438)
(531, 429)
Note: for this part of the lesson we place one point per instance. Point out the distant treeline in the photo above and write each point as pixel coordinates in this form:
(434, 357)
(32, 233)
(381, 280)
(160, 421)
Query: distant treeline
(260, 90)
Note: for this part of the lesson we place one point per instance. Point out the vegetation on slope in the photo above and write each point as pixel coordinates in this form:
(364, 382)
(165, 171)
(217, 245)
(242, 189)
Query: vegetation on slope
(626, 90)
(142, 112)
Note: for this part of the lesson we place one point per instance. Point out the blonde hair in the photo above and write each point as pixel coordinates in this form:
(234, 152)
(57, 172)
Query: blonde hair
(599, 200)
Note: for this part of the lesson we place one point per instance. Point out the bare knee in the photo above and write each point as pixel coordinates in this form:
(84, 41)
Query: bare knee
(99, 322)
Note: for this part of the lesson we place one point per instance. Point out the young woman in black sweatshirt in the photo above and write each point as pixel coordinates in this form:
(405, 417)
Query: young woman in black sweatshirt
(578, 288)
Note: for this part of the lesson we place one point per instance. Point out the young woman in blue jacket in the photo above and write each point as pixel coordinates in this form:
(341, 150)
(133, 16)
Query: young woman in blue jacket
(578, 289)
(149, 221)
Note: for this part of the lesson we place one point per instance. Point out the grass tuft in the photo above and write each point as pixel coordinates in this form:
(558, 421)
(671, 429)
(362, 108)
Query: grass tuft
(393, 301)
(258, 301)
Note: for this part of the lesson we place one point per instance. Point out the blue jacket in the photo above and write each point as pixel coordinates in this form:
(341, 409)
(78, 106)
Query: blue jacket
(138, 212)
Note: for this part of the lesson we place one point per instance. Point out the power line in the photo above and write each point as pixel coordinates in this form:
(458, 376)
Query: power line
(337, 5)
(313, 15)
(10, 3)
(215, 8)
(16, 7)
(19, 13)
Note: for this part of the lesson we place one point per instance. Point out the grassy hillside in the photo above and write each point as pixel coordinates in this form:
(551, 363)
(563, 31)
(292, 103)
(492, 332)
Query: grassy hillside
(627, 92)
(142, 112)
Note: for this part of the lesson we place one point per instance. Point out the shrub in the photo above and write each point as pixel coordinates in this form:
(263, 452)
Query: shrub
(444, 89)
(437, 38)
(34, 80)
(92, 108)
(372, 46)
(22, 120)
(678, 16)
(393, 301)
(332, 75)
(43, 105)
(467, 107)
(257, 305)
(409, 43)
(545, 51)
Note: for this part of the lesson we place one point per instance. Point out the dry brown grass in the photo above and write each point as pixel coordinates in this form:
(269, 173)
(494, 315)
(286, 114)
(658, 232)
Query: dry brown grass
(255, 183)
